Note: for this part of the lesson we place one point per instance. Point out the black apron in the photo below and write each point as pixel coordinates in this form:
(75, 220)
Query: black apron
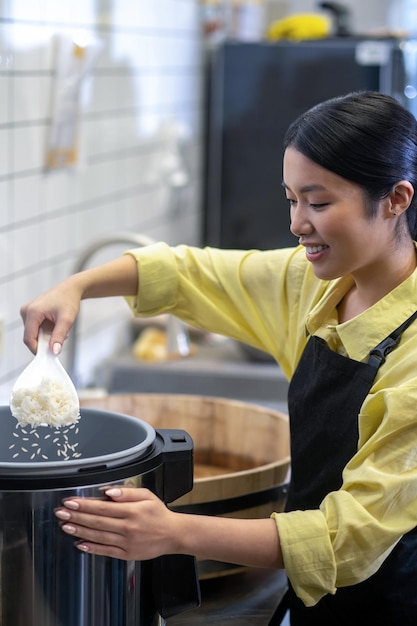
(324, 400)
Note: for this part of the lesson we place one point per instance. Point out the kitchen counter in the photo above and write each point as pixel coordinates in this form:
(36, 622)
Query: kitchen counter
(219, 369)
(249, 597)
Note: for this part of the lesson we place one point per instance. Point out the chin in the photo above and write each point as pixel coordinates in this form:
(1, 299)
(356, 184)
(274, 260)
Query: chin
(324, 274)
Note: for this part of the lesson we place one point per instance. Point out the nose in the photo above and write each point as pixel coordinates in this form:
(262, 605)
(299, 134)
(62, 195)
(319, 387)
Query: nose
(299, 222)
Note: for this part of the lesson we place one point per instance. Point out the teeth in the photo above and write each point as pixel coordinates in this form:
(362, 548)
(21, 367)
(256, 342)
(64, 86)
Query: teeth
(315, 249)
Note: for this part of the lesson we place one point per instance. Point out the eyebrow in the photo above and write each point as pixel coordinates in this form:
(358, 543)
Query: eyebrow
(307, 188)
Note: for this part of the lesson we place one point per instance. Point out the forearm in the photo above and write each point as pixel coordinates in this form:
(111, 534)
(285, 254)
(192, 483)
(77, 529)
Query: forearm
(250, 542)
(60, 305)
(116, 278)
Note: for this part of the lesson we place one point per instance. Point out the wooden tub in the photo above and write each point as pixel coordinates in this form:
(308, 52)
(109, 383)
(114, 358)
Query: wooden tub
(241, 453)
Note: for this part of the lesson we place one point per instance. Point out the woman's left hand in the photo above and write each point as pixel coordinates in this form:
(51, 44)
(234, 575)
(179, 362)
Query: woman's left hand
(133, 524)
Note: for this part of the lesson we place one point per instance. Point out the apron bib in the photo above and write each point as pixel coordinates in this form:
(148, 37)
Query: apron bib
(324, 400)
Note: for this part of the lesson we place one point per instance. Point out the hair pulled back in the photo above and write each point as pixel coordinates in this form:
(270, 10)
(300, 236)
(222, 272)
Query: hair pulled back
(366, 137)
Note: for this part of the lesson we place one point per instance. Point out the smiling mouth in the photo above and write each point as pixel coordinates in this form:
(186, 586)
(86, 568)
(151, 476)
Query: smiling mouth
(315, 249)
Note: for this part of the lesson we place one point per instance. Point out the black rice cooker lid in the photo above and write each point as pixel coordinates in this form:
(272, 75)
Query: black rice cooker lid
(98, 438)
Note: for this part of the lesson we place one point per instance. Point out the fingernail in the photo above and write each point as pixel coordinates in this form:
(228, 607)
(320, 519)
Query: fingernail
(64, 515)
(68, 528)
(113, 492)
(83, 547)
(71, 504)
(56, 348)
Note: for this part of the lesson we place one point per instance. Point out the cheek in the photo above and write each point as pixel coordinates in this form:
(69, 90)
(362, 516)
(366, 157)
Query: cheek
(334, 228)
(344, 229)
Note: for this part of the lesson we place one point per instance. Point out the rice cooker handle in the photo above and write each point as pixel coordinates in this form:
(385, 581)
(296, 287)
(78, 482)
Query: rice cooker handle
(178, 464)
(176, 586)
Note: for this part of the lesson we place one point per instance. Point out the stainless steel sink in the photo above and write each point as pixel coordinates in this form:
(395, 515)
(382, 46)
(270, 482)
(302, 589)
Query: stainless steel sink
(220, 370)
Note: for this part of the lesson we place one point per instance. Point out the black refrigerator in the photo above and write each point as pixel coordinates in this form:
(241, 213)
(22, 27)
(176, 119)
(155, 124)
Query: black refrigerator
(254, 91)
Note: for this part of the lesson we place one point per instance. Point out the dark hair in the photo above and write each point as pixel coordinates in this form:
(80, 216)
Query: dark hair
(366, 137)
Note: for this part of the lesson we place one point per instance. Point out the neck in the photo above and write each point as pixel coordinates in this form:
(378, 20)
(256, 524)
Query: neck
(372, 285)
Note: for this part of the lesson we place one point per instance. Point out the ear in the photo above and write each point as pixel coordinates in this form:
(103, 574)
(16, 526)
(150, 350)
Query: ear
(399, 198)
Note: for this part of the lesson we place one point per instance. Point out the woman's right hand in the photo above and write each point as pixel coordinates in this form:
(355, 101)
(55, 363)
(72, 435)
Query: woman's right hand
(58, 308)
(60, 305)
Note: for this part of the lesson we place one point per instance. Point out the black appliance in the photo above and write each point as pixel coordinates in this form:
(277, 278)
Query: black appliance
(255, 90)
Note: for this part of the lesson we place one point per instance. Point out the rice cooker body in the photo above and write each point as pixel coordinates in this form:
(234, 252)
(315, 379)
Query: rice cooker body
(46, 581)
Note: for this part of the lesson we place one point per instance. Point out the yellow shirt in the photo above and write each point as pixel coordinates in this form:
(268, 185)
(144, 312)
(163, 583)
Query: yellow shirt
(273, 301)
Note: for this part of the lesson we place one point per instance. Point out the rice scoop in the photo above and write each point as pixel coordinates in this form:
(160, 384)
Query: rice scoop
(43, 394)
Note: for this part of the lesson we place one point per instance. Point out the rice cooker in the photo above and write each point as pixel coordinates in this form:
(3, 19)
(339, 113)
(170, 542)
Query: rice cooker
(44, 579)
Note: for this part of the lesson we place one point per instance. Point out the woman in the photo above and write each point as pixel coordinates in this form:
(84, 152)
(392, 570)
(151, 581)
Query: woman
(337, 313)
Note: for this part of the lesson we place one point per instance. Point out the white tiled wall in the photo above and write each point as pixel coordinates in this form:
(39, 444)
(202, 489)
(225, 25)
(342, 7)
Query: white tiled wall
(142, 107)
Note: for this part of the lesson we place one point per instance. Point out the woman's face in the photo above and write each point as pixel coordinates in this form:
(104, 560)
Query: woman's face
(328, 216)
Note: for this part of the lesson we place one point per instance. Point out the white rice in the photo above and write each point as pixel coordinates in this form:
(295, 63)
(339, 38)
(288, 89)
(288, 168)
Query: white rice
(49, 403)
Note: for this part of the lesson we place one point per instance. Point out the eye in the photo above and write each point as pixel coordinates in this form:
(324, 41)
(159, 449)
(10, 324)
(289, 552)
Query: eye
(318, 206)
(292, 201)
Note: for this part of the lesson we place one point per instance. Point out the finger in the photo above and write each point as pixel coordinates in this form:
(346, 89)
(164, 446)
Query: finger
(114, 541)
(50, 328)
(101, 550)
(90, 511)
(111, 544)
(31, 329)
(95, 542)
(94, 534)
(128, 494)
(60, 332)
(118, 495)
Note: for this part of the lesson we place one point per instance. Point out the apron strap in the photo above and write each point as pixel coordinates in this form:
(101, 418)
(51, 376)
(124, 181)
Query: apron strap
(377, 355)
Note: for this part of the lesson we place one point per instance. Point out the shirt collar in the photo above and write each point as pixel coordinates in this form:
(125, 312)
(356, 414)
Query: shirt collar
(365, 331)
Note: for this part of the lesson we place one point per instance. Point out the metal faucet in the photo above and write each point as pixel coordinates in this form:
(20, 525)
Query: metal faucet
(178, 341)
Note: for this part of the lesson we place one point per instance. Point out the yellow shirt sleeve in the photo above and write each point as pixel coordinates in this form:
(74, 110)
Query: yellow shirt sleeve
(264, 306)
